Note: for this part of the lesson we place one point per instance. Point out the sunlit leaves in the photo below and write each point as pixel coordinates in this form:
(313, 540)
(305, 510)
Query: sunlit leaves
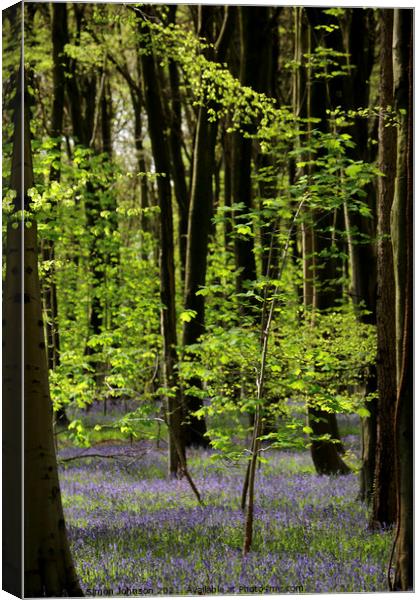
(187, 315)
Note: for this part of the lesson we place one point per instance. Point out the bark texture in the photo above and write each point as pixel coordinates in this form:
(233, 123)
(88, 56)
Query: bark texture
(402, 242)
(321, 270)
(177, 162)
(153, 102)
(48, 569)
(359, 43)
(384, 497)
(48, 286)
(12, 404)
(199, 219)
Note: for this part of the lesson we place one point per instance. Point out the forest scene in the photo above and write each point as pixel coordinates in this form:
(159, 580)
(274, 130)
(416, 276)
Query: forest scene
(214, 235)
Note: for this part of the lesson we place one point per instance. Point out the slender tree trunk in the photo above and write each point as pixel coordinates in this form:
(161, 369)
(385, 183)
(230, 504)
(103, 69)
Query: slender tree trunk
(325, 454)
(359, 43)
(90, 115)
(227, 197)
(254, 71)
(402, 242)
(321, 270)
(82, 94)
(49, 287)
(200, 212)
(111, 252)
(49, 569)
(257, 29)
(196, 265)
(141, 161)
(177, 162)
(384, 497)
(154, 107)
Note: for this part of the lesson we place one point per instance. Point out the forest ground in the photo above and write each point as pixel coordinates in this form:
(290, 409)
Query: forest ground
(134, 532)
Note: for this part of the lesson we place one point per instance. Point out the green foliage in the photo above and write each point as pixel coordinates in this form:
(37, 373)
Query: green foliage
(103, 259)
(127, 347)
(324, 366)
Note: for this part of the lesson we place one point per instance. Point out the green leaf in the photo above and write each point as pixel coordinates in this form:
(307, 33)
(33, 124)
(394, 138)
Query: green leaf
(244, 229)
(363, 412)
(354, 169)
(187, 315)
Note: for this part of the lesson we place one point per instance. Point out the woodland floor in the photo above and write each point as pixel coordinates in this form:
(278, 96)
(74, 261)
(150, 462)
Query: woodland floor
(134, 532)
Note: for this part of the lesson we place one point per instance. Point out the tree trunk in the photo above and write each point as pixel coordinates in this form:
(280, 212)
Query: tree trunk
(177, 162)
(196, 265)
(359, 43)
(49, 569)
(384, 497)
(12, 348)
(402, 242)
(325, 454)
(154, 107)
(82, 94)
(255, 30)
(227, 196)
(200, 212)
(136, 99)
(320, 278)
(49, 287)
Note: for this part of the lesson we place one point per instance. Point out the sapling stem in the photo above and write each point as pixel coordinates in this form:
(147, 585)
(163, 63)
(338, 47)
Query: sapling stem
(255, 448)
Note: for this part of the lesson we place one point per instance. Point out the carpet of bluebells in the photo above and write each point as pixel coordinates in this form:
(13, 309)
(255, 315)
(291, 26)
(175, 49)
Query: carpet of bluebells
(134, 532)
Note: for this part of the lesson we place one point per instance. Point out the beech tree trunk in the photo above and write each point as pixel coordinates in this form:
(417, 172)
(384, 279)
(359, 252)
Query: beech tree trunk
(384, 497)
(402, 243)
(177, 162)
(48, 287)
(12, 348)
(196, 264)
(138, 142)
(199, 221)
(325, 454)
(49, 569)
(227, 191)
(321, 270)
(255, 28)
(359, 43)
(154, 107)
